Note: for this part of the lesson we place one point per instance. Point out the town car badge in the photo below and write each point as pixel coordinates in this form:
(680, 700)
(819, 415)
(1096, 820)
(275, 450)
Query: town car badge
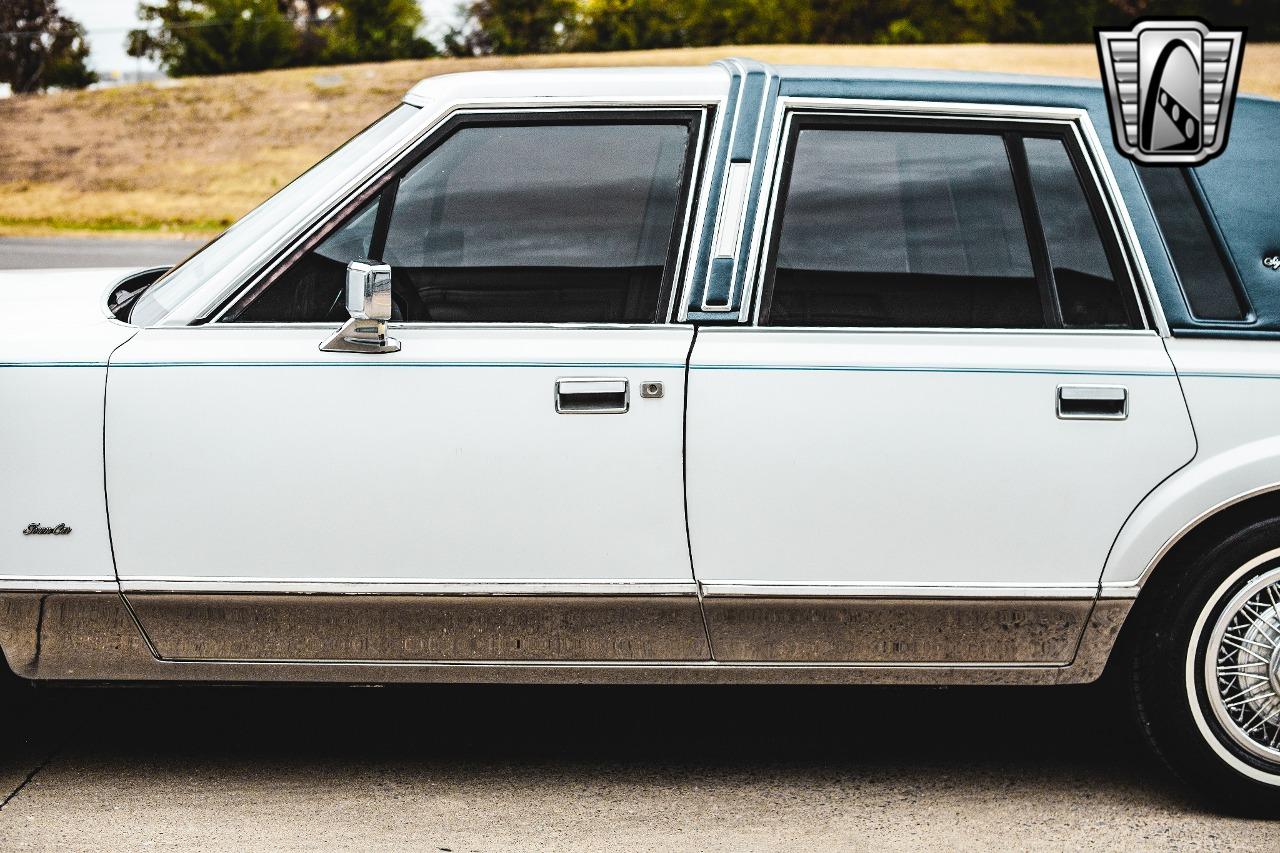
(1171, 85)
(35, 528)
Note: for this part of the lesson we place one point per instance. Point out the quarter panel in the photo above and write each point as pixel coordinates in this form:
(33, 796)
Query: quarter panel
(1232, 389)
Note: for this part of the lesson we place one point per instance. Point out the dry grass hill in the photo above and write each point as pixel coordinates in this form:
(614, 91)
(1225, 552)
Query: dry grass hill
(190, 156)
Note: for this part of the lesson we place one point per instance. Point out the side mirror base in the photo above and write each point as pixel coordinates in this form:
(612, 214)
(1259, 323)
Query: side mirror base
(361, 336)
(368, 298)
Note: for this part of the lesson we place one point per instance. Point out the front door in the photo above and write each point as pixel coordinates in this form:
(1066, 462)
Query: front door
(508, 486)
(950, 403)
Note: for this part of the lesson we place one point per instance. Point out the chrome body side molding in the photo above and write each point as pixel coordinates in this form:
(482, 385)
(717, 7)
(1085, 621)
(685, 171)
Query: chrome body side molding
(299, 638)
(422, 627)
(888, 631)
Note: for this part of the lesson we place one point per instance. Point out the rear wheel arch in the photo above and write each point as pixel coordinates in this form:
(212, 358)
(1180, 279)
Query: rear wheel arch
(1216, 525)
(1160, 656)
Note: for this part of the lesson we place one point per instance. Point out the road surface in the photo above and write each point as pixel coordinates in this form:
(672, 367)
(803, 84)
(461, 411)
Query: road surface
(49, 252)
(592, 769)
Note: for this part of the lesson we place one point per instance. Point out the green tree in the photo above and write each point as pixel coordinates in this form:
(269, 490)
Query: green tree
(215, 36)
(512, 26)
(646, 24)
(375, 31)
(629, 25)
(41, 47)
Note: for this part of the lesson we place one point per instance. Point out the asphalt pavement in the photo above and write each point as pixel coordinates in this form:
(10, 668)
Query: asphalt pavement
(486, 768)
(53, 252)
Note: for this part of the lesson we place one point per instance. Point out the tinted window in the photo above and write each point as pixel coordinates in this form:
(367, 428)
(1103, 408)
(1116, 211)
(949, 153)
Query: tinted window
(1197, 257)
(1087, 286)
(554, 223)
(902, 228)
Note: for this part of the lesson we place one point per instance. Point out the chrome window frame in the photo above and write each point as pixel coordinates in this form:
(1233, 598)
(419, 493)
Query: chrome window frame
(1079, 127)
(205, 309)
(754, 174)
(446, 122)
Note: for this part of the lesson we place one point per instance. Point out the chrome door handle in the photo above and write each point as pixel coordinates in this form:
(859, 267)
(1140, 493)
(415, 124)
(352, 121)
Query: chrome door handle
(1093, 402)
(590, 396)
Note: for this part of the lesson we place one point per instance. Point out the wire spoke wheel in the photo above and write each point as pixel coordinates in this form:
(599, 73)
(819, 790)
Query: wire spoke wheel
(1242, 667)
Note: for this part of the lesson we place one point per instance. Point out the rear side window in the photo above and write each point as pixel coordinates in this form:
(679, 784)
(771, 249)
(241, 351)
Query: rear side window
(923, 227)
(1082, 274)
(890, 228)
(529, 222)
(1207, 280)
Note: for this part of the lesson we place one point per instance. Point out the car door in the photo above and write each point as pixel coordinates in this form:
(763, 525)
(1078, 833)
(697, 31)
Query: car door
(950, 401)
(506, 486)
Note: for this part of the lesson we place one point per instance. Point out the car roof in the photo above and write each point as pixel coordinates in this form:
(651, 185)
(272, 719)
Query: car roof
(708, 81)
(694, 81)
(927, 75)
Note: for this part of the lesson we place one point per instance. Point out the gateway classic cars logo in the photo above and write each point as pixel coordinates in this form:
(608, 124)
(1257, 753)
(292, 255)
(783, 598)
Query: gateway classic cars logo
(1171, 84)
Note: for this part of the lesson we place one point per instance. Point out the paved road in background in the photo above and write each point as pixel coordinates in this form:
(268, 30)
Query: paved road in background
(48, 252)
(591, 769)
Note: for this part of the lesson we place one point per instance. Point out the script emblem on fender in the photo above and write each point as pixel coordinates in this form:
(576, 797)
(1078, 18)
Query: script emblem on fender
(37, 529)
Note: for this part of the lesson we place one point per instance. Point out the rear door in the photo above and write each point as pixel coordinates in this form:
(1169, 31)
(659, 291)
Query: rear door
(507, 486)
(949, 401)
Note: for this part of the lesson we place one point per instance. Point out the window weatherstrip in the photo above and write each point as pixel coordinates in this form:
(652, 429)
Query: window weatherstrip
(382, 220)
(1033, 227)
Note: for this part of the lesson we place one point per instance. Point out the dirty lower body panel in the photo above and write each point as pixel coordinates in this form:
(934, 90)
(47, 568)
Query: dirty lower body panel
(554, 639)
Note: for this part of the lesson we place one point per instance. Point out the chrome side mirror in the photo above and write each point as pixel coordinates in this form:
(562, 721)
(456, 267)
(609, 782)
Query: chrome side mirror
(368, 298)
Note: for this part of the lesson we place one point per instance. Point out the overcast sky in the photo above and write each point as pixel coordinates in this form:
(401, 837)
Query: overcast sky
(108, 21)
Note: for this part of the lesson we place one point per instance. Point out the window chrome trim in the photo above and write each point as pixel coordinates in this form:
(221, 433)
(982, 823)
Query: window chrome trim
(547, 107)
(191, 310)
(1075, 119)
(694, 206)
(682, 290)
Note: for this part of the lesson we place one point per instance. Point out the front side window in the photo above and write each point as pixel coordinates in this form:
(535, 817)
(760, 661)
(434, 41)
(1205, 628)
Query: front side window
(568, 221)
(920, 227)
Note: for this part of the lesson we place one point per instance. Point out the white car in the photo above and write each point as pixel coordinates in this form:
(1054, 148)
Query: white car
(732, 374)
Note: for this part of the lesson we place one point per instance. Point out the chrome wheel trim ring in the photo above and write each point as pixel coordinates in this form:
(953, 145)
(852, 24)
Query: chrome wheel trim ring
(1196, 669)
(1240, 674)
